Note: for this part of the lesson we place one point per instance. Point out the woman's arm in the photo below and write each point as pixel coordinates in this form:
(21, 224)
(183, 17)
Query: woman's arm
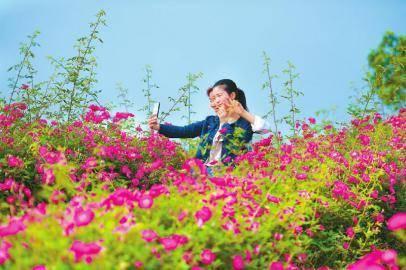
(189, 131)
(259, 125)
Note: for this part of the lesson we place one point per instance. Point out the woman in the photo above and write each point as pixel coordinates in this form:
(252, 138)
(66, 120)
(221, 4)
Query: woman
(224, 135)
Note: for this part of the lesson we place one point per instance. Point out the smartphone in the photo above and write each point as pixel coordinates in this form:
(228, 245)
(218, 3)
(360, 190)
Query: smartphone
(155, 110)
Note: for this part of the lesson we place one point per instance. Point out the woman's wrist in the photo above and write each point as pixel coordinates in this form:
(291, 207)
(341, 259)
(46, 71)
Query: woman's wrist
(248, 116)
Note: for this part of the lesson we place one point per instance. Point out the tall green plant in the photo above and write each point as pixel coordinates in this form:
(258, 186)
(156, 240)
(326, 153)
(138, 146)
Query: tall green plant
(272, 98)
(183, 98)
(365, 101)
(74, 87)
(192, 88)
(290, 94)
(147, 90)
(123, 98)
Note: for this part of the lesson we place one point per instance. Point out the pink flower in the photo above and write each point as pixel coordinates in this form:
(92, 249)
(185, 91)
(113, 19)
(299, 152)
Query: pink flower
(223, 130)
(90, 163)
(52, 157)
(15, 162)
(276, 266)
(238, 262)
(4, 255)
(169, 243)
(203, 215)
(48, 177)
(298, 230)
(302, 257)
(364, 139)
(39, 267)
(397, 221)
(273, 199)
(145, 201)
(83, 217)
(85, 250)
(149, 235)
(138, 264)
(376, 260)
(121, 116)
(97, 114)
(350, 232)
(277, 236)
(312, 120)
(301, 176)
(14, 227)
(24, 86)
(379, 218)
(346, 245)
(207, 256)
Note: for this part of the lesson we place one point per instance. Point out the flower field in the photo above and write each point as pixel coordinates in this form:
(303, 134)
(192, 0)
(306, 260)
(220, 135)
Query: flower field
(89, 195)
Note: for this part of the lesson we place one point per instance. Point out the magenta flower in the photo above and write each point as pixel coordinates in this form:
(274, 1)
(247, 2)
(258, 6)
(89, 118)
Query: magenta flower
(97, 114)
(207, 256)
(85, 251)
(276, 266)
(149, 235)
(301, 176)
(203, 215)
(121, 116)
(89, 164)
(350, 232)
(52, 157)
(169, 243)
(14, 227)
(377, 259)
(277, 236)
(223, 130)
(138, 264)
(397, 221)
(273, 199)
(145, 201)
(15, 162)
(83, 217)
(298, 230)
(48, 177)
(238, 262)
(364, 139)
(4, 255)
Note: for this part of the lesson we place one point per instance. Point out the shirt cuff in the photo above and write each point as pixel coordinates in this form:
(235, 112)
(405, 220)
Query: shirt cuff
(260, 125)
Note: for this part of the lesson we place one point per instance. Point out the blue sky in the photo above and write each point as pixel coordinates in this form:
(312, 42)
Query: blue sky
(328, 41)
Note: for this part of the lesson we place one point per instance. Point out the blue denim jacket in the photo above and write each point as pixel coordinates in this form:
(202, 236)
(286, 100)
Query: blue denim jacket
(235, 136)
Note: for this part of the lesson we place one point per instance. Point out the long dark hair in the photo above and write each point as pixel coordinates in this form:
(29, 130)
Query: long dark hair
(231, 87)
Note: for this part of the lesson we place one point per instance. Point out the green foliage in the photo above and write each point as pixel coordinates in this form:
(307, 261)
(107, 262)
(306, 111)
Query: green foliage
(23, 87)
(184, 98)
(73, 88)
(147, 91)
(272, 98)
(388, 70)
(290, 94)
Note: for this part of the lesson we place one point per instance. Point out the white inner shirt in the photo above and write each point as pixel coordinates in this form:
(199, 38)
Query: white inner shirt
(260, 126)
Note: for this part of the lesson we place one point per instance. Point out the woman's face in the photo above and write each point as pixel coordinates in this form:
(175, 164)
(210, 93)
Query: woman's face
(218, 96)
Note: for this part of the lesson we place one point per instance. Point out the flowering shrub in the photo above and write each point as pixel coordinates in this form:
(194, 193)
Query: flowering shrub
(88, 195)
(41, 159)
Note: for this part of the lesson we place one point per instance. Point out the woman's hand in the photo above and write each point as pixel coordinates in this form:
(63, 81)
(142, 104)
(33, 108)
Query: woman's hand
(222, 113)
(153, 122)
(236, 108)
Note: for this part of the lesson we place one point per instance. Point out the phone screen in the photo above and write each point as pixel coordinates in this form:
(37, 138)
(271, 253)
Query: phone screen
(156, 109)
